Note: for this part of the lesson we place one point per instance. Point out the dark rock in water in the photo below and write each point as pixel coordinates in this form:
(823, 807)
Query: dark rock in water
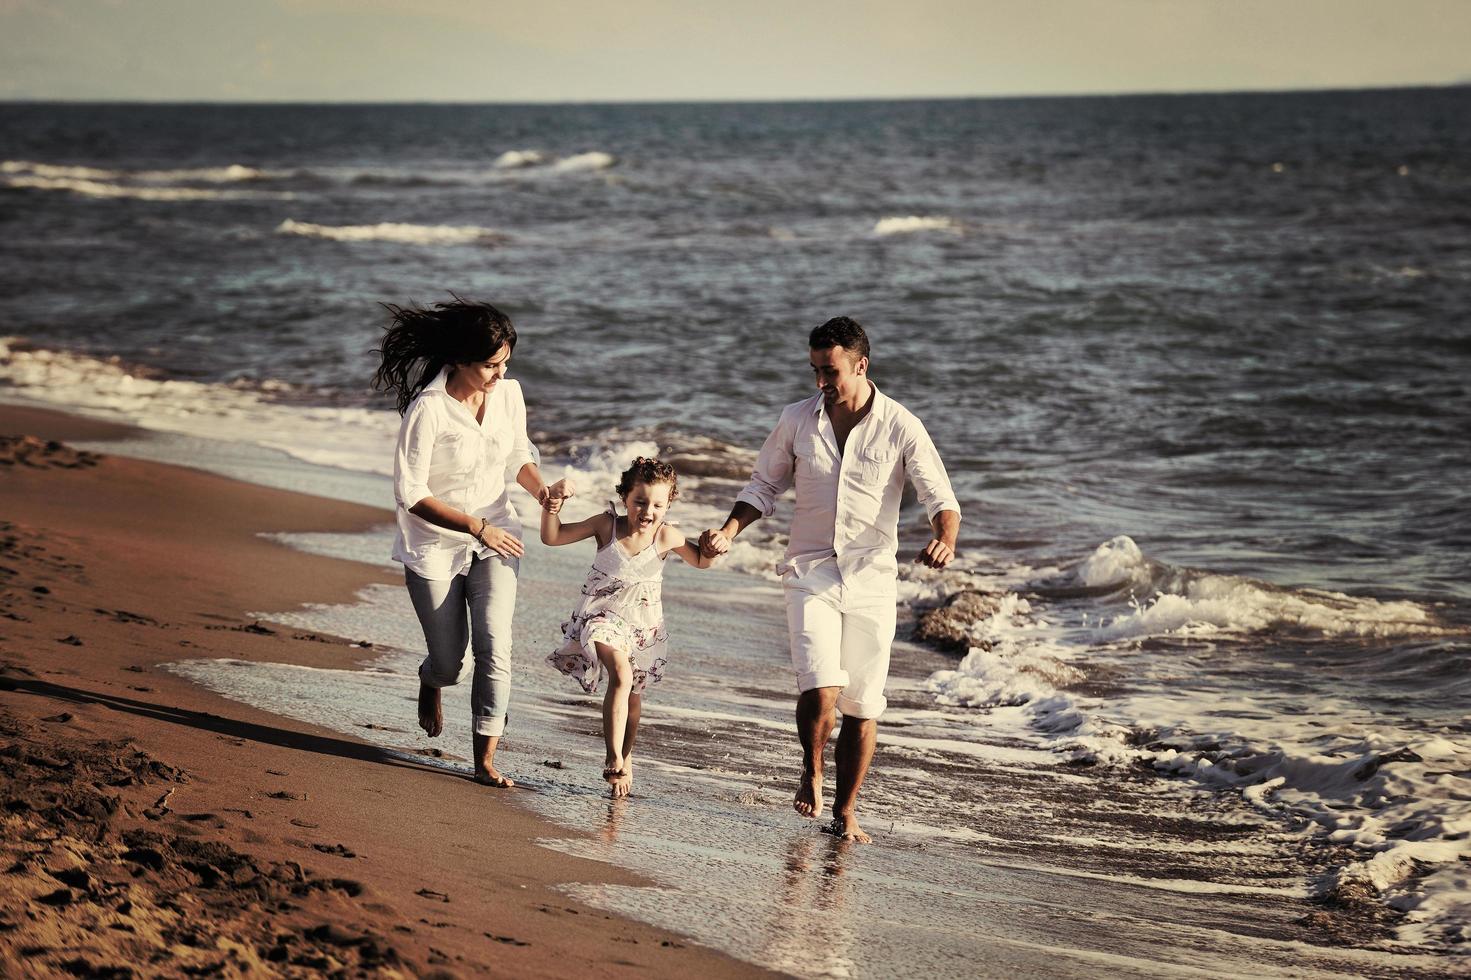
(948, 627)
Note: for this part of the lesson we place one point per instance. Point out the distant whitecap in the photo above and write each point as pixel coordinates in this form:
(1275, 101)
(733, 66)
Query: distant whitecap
(512, 159)
(94, 188)
(594, 160)
(913, 223)
(390, 231)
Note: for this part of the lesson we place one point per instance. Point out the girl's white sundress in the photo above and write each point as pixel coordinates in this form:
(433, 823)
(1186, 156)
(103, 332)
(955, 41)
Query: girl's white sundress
(621, 606)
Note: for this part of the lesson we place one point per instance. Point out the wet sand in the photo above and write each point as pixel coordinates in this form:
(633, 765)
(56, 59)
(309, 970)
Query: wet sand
(151, 826)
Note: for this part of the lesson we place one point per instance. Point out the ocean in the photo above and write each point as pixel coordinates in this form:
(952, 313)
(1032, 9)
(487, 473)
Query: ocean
(1198, 368)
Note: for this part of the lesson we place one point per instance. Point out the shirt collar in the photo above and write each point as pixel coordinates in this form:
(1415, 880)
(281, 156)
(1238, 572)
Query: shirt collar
(439, 382)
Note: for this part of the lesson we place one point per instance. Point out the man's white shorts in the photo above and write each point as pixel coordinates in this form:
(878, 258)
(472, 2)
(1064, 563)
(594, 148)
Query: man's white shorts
(840, 637)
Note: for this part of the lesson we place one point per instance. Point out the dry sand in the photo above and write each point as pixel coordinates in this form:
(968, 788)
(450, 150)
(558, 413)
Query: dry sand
(152, 827)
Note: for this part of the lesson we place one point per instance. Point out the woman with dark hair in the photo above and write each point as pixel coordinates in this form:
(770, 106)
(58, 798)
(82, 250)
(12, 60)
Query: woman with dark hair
(462, 441)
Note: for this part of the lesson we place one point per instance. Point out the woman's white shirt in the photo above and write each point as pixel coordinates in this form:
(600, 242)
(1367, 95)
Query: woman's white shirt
(443, 452)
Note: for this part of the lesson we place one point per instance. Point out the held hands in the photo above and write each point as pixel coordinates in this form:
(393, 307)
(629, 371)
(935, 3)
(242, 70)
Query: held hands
(936, 554)
(714, 543)
(556, 494)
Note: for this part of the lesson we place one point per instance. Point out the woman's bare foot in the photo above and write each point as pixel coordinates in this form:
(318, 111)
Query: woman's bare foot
(808, 801)
(431, 716)
(491, 776)
(846, 827)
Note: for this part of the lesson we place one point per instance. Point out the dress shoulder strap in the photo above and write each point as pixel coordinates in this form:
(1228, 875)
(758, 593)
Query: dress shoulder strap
(612, 512)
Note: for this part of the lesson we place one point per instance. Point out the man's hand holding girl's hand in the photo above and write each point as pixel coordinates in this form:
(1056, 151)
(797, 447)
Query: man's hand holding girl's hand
(714, 542)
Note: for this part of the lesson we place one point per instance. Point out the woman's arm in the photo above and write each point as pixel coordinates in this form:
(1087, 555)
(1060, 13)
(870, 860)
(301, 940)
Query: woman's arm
(672, 540)
(440, 514)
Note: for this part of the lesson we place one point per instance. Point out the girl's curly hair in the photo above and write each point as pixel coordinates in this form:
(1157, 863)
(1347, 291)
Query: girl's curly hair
(647, 469)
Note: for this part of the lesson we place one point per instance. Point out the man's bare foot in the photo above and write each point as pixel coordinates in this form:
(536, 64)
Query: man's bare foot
(808, 801)
(491, 776)
(431, 716)
(846, 827)
(623, 783)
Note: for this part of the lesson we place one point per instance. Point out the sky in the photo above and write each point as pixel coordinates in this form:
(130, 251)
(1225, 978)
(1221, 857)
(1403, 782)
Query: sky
(693, 50)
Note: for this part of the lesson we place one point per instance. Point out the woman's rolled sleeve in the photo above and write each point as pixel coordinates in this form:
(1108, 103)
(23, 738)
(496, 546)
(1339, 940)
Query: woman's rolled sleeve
(523, 450)
(412, 456)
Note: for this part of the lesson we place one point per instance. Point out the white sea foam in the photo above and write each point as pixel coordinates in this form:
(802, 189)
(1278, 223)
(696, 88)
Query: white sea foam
(1225, 605)
(57, 171)
(1337, 771)
(350, 438)
(214, 175)
(407, 234)
(513, 159)
(913, 223)
(1116, 562)
(95, 188)
(230, 174)
(592, 160)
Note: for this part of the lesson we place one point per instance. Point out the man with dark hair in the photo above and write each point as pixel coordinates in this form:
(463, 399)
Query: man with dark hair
(847, 450)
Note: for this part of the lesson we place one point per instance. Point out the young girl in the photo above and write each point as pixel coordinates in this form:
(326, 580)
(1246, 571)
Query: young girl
(617, 628)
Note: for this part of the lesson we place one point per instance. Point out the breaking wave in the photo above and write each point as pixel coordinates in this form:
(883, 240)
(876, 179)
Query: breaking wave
(389, 231)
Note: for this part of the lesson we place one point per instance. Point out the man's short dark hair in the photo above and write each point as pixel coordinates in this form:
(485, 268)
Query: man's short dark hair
(840, 331)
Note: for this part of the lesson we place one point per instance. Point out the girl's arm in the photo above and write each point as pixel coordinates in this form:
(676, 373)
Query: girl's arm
(554, 532)
(674, 541)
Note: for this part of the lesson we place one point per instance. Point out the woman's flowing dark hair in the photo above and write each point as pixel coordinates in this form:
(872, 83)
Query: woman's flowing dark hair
(420, 342)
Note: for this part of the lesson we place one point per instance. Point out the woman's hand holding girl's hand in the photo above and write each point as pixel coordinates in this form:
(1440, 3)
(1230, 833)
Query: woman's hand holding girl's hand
(553, 496)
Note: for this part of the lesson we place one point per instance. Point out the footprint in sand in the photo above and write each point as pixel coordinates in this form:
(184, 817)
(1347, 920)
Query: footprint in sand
(283, 794)
(508, 940)
(432, 894)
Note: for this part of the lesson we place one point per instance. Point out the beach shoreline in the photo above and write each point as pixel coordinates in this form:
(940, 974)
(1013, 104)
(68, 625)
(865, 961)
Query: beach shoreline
(153, 825)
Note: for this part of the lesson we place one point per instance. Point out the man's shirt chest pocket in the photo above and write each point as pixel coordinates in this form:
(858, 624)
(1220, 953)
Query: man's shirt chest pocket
(814, 459)
(875, 464)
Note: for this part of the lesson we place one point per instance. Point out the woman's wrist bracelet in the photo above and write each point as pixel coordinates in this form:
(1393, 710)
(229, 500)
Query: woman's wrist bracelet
(480, 534)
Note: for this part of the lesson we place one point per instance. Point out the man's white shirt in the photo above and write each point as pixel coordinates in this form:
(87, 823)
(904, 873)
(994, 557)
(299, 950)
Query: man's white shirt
(848, 501)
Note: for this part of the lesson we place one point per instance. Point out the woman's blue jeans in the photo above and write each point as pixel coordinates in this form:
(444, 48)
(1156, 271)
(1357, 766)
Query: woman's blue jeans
(472, 609)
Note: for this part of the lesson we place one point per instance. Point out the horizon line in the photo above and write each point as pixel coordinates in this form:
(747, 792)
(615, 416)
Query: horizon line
(722, 100)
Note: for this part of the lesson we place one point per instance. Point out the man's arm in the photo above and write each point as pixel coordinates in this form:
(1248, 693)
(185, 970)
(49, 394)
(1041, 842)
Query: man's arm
(926, 471)
(941, 549)
(716, 541)
(771, 478)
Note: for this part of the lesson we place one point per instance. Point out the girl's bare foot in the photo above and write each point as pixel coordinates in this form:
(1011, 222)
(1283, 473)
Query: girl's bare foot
(623, 785)
(612, 768)
(491, 776)
(431, 716)
(808, 801)
(847, 828)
